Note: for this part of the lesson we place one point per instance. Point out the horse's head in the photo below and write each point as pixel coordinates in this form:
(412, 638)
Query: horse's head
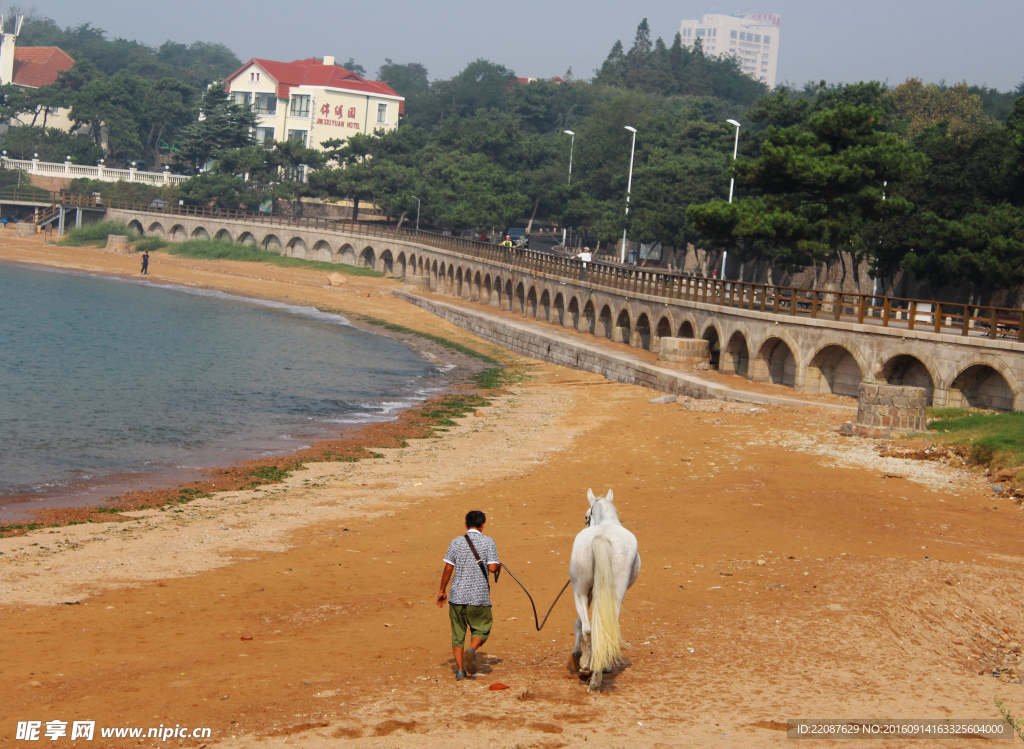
(601, 509)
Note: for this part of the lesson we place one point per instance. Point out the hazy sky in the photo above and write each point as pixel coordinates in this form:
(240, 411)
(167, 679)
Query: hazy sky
(850, 40)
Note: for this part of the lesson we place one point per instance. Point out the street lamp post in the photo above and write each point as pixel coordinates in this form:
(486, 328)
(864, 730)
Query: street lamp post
(732, 182)
(629, 189)
(417, 211)
(572, 144)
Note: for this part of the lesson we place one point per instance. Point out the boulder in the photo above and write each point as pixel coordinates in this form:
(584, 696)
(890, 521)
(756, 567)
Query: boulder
(336, 279)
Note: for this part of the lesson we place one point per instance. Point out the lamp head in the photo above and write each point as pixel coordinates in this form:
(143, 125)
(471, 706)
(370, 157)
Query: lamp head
(733, 123)
(631, 129)
(569, 132)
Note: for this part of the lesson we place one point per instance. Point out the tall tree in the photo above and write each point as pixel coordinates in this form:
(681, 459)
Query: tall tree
(224, 125)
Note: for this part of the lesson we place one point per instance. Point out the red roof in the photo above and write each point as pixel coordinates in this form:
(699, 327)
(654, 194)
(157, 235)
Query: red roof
(39, 66)
(312, 72)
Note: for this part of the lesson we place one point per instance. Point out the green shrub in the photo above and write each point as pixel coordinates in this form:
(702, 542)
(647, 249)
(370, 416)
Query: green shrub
(213, 249)
(94, 234)
(149, 244)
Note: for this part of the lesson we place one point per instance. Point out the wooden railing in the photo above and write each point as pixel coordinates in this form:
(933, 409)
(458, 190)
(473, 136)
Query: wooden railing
(798, 303)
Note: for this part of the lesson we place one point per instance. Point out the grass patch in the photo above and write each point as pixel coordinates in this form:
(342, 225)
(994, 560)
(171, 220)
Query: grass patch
(994, 440)
(435, 338)
(149, 244)
(213, 249)
(947, 413)
(94, 234)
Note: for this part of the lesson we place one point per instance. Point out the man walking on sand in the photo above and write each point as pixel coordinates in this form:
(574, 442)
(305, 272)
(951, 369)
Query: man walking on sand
(145, 263)
(469, 606)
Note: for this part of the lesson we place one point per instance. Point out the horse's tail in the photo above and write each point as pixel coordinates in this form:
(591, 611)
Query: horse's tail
(605, 636)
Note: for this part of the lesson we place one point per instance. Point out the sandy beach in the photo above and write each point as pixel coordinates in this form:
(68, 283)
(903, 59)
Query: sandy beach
(788, 572)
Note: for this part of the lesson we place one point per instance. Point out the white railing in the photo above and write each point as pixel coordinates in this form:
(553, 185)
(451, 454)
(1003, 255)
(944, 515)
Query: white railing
(68, 170)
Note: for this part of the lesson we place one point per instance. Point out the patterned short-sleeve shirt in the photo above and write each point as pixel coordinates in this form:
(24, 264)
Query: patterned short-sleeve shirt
(469, 588)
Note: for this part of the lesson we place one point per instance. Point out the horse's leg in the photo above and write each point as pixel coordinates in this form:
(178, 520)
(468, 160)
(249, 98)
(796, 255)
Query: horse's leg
(594, 686)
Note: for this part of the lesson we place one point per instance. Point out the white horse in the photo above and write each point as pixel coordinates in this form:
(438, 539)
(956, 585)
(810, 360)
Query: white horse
(605, 563)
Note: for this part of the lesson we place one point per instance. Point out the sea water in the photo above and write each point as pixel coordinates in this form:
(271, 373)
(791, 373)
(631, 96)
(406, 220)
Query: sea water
(109, 383)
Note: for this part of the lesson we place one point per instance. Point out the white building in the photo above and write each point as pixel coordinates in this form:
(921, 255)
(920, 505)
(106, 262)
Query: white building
(753, 39)
(310, 101)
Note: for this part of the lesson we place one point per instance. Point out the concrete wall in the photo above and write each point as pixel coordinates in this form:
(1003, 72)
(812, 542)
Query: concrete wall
(811, 355)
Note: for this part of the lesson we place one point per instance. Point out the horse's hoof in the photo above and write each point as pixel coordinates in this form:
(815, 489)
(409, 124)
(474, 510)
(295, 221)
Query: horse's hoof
(593, 690)
(574, 662)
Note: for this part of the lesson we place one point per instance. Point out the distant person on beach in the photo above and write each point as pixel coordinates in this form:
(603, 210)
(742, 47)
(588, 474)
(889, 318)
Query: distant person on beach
(470, 557)
(145, 263)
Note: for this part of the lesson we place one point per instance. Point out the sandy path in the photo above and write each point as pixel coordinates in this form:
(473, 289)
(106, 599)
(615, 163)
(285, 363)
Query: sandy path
(883, 582)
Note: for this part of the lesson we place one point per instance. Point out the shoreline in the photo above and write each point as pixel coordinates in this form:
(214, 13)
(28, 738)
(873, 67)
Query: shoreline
(110, 494)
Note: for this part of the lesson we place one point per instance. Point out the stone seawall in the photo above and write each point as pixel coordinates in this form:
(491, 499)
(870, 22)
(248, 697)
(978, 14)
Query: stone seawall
(531, 341)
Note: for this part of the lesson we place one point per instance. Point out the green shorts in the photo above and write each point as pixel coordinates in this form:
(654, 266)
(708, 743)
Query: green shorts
(477, 618)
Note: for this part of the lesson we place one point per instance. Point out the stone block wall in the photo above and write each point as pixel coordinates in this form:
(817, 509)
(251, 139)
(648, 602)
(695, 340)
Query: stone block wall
(886, 409)
(684, 350)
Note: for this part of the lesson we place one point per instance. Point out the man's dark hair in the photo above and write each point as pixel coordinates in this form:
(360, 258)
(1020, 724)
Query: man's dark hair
(475, 518)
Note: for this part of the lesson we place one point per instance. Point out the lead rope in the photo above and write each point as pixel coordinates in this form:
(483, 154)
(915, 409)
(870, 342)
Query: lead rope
(539, 624)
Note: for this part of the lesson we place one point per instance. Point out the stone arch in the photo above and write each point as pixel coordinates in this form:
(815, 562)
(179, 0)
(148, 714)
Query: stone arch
(507, 301)
(910, 371)
(411, 269)
(368, 258)
(246, 238)
(559, 309)
(156, 229)
(200, 233)
(531, 303)
(589, 318)
(775, 362)
(545, 305)
(347, 254)
(520, 303)
(714, 339)
(400, 265)
(573, 310)
(223, 236)
(297, 248)
(985, 383)
(486, 293)
(461, 282)
(834, 368)
(642, 333)
(387, 263)
(623, 331)
(605, 323)
(735, 355)
(432, 270)
(135, 227)
(449, 280)
(687, 330)
(664, 329)
(322, 252)
(477, 288)
(178, 233)
(272, 244)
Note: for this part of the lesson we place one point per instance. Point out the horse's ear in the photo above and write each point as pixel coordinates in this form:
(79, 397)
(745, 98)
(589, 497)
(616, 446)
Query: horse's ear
(590, 497)
(610, 497)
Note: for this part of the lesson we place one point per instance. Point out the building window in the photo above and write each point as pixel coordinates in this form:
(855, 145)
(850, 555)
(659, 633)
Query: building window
(264, 135)
(757, 38)
(382, 114)
(254, 77)
(767, 40)
(700, 32)
(241, 97)
(732, 34)
(299, 136)
(265, 103)
(300, 106)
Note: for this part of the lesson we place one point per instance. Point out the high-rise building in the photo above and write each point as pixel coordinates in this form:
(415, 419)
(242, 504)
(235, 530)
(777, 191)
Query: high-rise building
(753, 39)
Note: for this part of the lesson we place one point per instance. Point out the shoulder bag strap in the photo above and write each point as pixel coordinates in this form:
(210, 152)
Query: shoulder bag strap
(479, 561)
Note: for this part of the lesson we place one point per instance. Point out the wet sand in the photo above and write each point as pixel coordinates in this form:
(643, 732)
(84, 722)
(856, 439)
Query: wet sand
(884, 581)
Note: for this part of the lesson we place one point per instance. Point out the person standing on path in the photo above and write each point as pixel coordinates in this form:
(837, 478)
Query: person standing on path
(470, 557)
(145, 263)
(584, 257)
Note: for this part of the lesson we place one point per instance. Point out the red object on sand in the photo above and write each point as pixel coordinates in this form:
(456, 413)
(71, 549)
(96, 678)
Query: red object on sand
(497, 685)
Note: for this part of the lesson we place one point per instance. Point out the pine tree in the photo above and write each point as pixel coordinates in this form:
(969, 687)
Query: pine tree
(695, 80)
(613, 70)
